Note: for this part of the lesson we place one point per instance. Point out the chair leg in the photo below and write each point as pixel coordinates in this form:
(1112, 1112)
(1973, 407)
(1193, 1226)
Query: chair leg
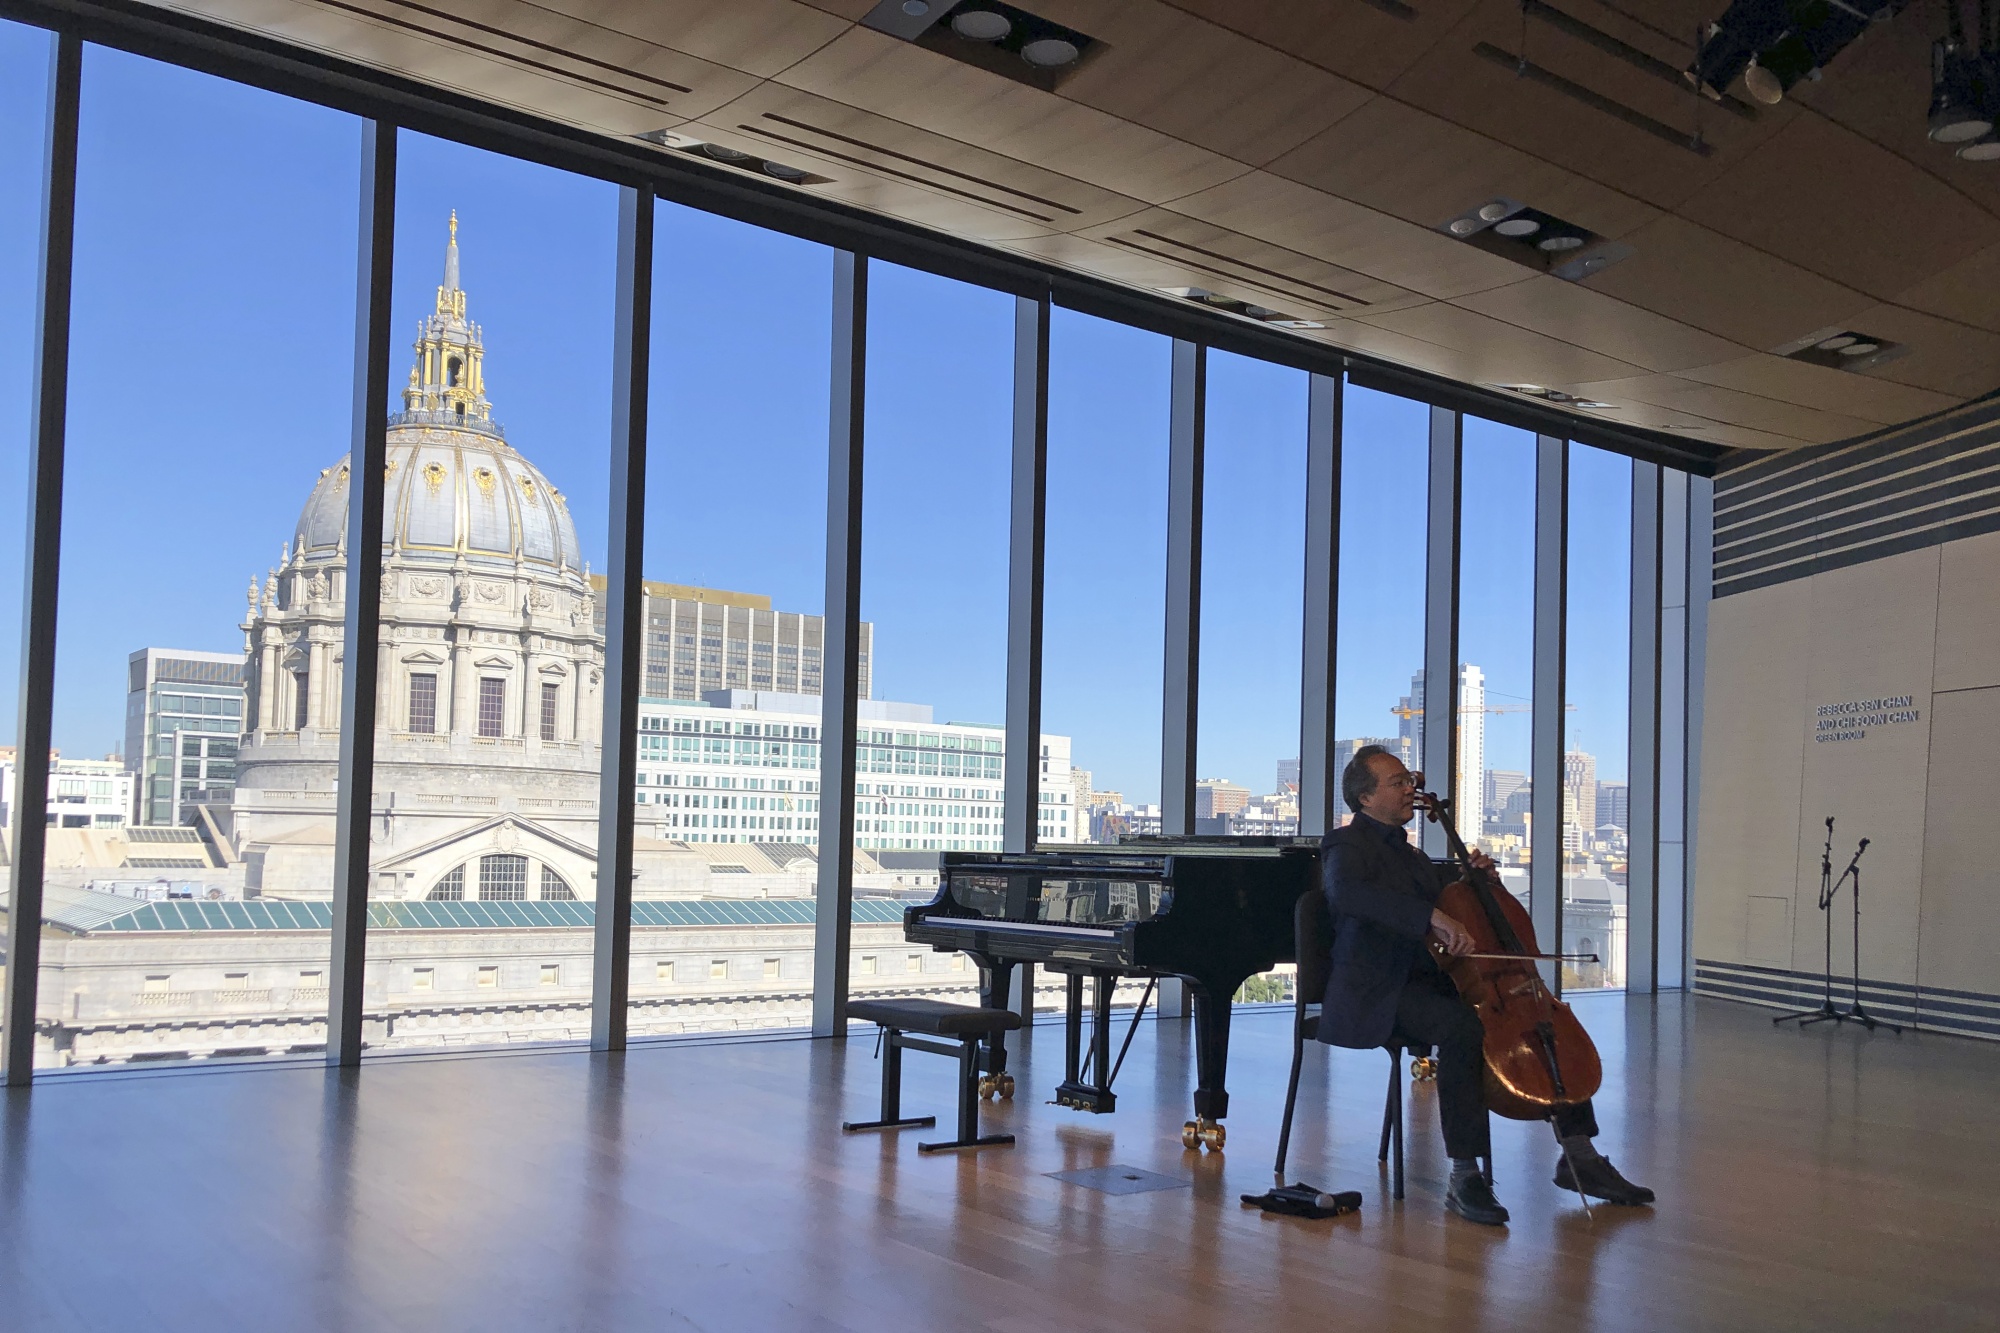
(1396, 1125)
(1388, 1107)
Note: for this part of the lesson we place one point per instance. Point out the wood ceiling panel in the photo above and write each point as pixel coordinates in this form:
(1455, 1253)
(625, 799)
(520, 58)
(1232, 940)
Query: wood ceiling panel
(787, 125)
(1362, 240)
(1576, 314)
(1690, 274)
(507, 70)
(1830, 202)
(1674, 395)
(1454, 82)
(877, 73)
(1968, 291)
(1944, 356)
(1179, 75)
(1880, 88)
(1211, 257)
(759, 37)
(1503, 353)
(1423, 169)
(1353, 38)
(882, 193)
(1881, 401)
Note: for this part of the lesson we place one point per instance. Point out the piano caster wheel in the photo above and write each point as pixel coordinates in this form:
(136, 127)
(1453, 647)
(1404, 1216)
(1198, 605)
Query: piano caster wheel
(1006, 1087)
(1423, 1069)
(1203, 1134)
(989, 1087)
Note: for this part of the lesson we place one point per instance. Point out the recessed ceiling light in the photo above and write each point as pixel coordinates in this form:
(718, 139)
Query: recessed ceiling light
(1762, 84)
(1861, 349)
(1835, 344)
(1981, 150)
(1593, 404)
(1593, 264)
(1527, 388)
(783, 172)
(1050, 53)
(916, 9)
(1557, 244)
(721, 154)
(1494, 212)
(1518, 227)
(1466, 226)
(981, 25)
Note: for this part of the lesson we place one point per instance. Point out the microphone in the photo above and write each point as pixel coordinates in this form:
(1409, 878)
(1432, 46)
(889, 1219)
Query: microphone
(1862, 848)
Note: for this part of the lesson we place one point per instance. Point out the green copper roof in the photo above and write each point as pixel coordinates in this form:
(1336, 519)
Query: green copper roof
(268, 914)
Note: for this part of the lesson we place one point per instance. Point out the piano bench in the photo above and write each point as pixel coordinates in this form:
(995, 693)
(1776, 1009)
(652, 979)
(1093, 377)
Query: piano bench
(927, 1025)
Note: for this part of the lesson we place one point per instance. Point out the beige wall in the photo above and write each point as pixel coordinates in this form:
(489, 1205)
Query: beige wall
(1926, 793)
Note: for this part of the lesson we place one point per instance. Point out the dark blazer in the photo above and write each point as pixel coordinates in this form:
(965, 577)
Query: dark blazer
(1380, 894)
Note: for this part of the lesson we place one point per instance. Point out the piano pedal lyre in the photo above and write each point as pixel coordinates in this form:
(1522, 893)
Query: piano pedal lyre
(1203, 1133)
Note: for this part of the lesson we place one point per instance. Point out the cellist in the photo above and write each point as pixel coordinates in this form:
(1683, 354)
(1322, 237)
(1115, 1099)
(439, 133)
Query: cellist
(1385, 986)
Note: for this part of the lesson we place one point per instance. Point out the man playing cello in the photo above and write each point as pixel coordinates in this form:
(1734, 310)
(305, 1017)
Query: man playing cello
(1385, 986)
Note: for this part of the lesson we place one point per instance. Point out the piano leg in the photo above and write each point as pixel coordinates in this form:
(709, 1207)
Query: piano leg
(995, 978)
(1211, 1060)
(1095, 1095)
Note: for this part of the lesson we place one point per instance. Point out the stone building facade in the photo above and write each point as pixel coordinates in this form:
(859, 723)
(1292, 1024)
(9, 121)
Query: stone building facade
(491, 661)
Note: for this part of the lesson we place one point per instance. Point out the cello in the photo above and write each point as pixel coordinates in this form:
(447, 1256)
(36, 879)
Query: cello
(1539, 1059)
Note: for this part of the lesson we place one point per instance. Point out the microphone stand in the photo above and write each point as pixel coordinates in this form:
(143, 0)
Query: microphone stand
(1828, 887)
(1857, 1013)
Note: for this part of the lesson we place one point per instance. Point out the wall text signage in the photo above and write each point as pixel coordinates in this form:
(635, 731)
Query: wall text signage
(1853, 719)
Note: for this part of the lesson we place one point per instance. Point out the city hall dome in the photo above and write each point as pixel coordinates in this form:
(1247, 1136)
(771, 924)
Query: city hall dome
(455, 488)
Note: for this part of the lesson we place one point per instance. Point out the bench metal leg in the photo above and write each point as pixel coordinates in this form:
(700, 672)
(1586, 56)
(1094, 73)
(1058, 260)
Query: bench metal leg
(1392, 1125)
(892, 1090)
(968, 1105)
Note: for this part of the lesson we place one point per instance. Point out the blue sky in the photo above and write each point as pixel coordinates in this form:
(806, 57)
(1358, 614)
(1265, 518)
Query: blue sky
(211, 359)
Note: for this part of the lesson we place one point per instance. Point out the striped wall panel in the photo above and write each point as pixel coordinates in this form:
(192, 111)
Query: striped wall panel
(1961, 1013)
(1786, 515)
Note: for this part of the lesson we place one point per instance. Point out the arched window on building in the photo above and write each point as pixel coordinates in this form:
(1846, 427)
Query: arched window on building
(556, 889)
(503, 878)
(450, 887)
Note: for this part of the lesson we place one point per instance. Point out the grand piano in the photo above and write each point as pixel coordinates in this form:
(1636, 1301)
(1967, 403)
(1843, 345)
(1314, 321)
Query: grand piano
(1212, 912)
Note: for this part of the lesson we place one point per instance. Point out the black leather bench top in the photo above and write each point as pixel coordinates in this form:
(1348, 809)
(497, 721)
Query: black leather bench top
(933, 1016)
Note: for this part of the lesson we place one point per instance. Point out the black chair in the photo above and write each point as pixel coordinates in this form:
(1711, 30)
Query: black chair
(966, 1025)
(1312, 937)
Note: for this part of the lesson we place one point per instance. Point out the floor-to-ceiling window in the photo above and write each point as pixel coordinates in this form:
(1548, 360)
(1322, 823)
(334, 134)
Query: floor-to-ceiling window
(484, 837)
(1384, 471)
(199, 642)
(1496, 646)
(1252, 608)
(1597, 716)
(930, 737)
(1104, 581)
(24, 93)
(727, 803)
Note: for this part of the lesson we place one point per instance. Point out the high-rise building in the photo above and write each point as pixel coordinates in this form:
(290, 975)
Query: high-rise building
(1288, 775)
(1614, 805)
(703, 639)
(1501, 784)
(1215, 797)
(1580, 782)
(183, 725)
(1468, 797)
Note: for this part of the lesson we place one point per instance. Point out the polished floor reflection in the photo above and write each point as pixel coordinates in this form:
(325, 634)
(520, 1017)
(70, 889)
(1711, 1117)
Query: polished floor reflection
(1819, 1179)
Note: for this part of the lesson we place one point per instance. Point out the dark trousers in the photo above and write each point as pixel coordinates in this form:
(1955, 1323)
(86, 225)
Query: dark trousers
(1430, 1013)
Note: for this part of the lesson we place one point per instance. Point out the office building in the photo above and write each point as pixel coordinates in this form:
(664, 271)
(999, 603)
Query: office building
(183, 724)
(704, 639)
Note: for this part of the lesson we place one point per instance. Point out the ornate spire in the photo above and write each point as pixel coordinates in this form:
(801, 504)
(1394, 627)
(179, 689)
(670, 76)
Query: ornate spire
(448, 377)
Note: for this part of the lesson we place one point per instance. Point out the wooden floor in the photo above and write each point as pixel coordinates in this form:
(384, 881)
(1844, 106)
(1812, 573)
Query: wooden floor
(1812, 1180)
